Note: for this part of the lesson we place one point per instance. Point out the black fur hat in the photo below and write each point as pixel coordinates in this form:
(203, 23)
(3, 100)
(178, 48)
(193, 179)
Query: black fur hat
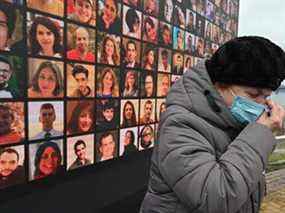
(248, 61)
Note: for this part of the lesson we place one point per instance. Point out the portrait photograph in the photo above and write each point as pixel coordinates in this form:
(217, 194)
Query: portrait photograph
(107, 145)
(210, 10)
(12, 166)
(160, 108)
(178, 38)
(12, 122)
(13, 78)
(200, 47)
(147, 111)
(46, 119)
(149, 57)
(190, 43)
(80, 117)
(54, 7)
(128, 141)
(109, 16)
(11, 28)
(80, 80)
(188, 63)
(190, 20)
(200, 25)
(46, 78)
(146, 136)
(81, 43)
(166, 10)
(131, 53)
(164, 60)
(129, 113)
(45, 159)
(148, 84)
(108, 49)
(200, 7)
(163, 84)
(150, 29)
(130, 82)
(208, 30)
(165, 34)
(177, 63)
(179, 16)
(80, 151)
(107, 82)
(44, 36)
(151, 7)
(132, 22)
(107, 114)
(84, 11)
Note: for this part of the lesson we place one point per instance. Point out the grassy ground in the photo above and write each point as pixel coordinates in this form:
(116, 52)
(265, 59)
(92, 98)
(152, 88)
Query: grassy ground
(277, 159)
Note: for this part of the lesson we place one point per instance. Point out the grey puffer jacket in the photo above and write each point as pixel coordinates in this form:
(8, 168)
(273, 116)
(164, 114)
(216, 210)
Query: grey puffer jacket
(204, 161)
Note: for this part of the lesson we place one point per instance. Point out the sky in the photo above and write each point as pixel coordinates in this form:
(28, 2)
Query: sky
(264, 18)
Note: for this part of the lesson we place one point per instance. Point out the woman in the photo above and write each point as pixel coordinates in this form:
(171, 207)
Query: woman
(180, 40)
(82, 118)
(131, 84)
(149, 28)
(45, 38)
(148, 90)
(188, 64)
(109, 20)
(84, 11)
(133, 23)
(47, 82)
(129, 140)
(108, 86)
(146, 136)
(47, 160)
(149, 59)
(162, 109)
(129, 115)
(110, 54)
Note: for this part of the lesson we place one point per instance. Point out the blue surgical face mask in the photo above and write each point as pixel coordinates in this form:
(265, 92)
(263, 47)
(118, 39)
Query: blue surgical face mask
(245, 110)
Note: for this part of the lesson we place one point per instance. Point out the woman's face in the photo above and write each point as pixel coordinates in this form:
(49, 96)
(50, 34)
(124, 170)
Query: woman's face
(110, 10)
(45, 37)
(151, 5)
(83, 10)
(148, 86)
(150, 31)
(109, 48)
(47, 82)
(131, 79)
(49, 161)
(162, 108)
(85, 121)
(128, 111)
(147, 135)
(179, 40)
(128, 138)
(108, 81)
(150, 57)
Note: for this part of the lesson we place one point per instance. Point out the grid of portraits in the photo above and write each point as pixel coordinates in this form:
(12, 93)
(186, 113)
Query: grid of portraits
(85, 81)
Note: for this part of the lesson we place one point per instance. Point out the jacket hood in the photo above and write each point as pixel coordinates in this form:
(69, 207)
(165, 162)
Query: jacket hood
(195, 92)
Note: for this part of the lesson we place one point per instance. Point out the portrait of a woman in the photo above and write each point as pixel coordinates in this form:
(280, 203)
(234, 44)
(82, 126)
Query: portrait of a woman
(130, 88)
(82, 118)
(108, 83)
(47, 160)
(146, 137)
(129, 116)
(149, 59)
(47, 81)
(110, 52)
(45, 38)
(129, 139)
(109, 19)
